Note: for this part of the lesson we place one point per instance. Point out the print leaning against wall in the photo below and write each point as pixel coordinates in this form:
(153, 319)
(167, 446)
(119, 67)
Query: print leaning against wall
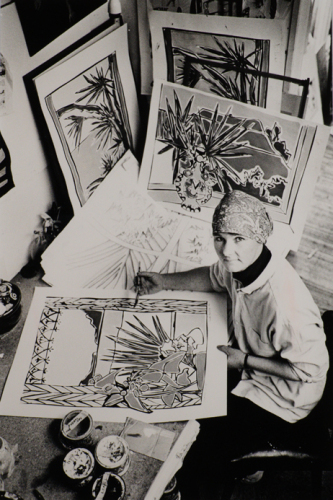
(204, 146)
(91, 115)
(146, 359)
(225, 58)
(93, 128)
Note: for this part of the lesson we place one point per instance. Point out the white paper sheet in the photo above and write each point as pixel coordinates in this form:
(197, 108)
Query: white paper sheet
(119, 228)
(156, 361)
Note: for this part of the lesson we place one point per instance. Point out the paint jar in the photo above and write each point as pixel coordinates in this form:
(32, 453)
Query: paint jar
(113, 454)
(77, 429)
(109, 487)
(78, 466)
(171, 491)
(10, 305)
(7, 458)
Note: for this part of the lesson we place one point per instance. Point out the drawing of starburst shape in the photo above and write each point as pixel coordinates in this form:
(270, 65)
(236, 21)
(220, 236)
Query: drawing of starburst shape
(151, 370)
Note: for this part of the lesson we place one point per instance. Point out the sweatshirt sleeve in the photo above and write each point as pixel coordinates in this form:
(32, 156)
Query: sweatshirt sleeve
(305, 350)
(217, 278)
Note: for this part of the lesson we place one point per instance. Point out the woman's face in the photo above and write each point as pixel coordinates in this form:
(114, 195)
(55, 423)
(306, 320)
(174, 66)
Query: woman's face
(236, 252)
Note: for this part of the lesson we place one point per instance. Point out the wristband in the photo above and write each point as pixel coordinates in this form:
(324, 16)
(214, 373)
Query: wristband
(245, 365)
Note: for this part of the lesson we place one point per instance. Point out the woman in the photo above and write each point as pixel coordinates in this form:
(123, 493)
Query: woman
(279, 348)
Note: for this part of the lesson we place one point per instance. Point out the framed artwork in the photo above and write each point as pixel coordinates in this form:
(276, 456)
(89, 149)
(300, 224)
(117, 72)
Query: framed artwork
(156, 361)
(44, 20)
(229, 59)
(202, 146)
(88, 105)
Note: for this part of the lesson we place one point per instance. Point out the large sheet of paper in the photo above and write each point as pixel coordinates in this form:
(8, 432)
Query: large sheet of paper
(199, 146)
(90, 106)
(120, 228)
(155, 361)
(206, 55)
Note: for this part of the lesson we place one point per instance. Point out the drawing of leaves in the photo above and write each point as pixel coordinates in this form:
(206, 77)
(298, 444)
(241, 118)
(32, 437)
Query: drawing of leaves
(213, 64)
(100, 112)
(222, 146)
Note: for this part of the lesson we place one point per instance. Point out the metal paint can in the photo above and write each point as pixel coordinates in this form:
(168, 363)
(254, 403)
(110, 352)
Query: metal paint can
(113, 454)
(109, 487)
(78, 466)
(171, 491)
(77, 429)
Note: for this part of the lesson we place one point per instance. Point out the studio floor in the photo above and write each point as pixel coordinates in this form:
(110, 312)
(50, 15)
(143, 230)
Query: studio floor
(278, 485)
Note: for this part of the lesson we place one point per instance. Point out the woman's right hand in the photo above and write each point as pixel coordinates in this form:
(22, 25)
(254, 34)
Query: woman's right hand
(146, 283)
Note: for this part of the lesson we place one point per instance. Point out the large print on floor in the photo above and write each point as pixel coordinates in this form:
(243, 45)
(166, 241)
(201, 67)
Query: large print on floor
(155, 360)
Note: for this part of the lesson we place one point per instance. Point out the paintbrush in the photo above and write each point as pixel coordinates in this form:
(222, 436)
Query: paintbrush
(137, 286)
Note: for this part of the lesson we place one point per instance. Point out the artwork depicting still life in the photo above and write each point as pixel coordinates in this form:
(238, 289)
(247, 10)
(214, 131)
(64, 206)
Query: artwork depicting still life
(91, 115)
(204, 146)
(155, 360)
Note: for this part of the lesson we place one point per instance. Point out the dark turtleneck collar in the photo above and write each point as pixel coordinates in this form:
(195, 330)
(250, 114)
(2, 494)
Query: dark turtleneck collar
(252, 272)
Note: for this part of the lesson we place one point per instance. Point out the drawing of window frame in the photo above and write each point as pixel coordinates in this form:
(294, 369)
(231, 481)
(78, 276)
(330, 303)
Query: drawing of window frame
(182, 177)
(248, 43)
(149, 361)
(88, 116)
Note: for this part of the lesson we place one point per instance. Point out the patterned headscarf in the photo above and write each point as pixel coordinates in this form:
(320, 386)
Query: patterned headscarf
(242, 214)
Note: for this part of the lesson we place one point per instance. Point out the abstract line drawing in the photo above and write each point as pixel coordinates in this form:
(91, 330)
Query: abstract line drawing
(105, 250)
(94, 128)
(145, 359)
(205, 146)
(114, 264)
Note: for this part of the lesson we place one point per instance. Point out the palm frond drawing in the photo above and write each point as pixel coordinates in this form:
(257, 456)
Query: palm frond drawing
(225, 68)
(151, 369)
(214, 150)
(99, 112)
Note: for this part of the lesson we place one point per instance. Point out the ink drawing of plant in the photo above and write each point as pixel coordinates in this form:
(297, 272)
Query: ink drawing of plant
(92, 121)
(215, 152)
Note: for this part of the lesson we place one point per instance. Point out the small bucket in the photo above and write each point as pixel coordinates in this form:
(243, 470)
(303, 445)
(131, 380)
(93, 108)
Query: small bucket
(112, 453)
(171, 491)
(77, 429)
(78, 466)
(109, 487)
